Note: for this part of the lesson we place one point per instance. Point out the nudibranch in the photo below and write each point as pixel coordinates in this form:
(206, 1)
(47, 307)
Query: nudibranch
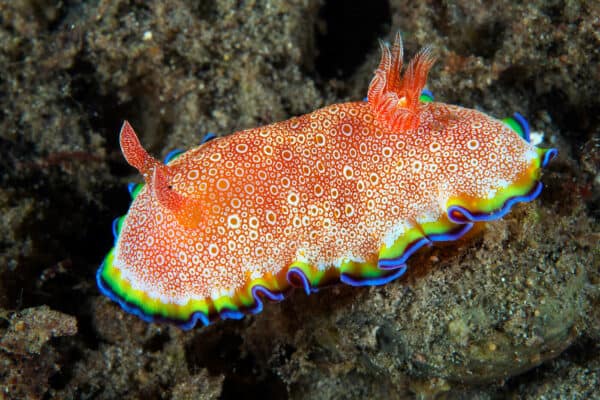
(346, 193)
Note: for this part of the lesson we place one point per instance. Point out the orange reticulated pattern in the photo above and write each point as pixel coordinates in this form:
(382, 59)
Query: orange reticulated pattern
(329, 187)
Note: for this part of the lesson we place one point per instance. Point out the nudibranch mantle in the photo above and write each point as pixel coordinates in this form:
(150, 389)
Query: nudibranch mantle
(346, 193)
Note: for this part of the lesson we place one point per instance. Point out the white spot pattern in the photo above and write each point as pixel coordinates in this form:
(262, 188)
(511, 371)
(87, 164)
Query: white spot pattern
(273, 191)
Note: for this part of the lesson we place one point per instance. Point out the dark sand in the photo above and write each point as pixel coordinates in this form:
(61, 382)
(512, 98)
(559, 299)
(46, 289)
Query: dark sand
(513, 312)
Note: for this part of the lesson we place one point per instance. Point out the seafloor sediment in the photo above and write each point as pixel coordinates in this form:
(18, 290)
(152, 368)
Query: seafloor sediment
(515, 307)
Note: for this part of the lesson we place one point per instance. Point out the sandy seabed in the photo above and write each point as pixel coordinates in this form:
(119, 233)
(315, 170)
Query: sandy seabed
(511, 312)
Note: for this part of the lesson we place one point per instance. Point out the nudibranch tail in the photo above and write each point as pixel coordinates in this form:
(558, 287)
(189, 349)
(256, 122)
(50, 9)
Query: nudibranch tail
(395, 97)
(519, 124)
(523, 188)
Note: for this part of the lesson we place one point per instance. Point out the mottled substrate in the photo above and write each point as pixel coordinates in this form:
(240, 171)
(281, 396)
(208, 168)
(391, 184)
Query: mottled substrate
(480, 311)
(26, 360)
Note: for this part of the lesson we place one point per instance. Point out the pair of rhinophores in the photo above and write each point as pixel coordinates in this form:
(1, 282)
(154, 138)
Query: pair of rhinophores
(346, 193)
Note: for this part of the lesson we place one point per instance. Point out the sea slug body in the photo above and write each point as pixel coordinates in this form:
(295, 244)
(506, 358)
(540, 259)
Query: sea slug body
(346, 193)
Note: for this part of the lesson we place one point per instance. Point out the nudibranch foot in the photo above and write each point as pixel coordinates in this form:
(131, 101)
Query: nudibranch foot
(547, 156)
(414, 239)
(185, 316)
(208, 137)
(172, 155)
(347, 193)
(297, 278)
(461, 215)
(382, 279)
(524, 188)
(520, 125)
